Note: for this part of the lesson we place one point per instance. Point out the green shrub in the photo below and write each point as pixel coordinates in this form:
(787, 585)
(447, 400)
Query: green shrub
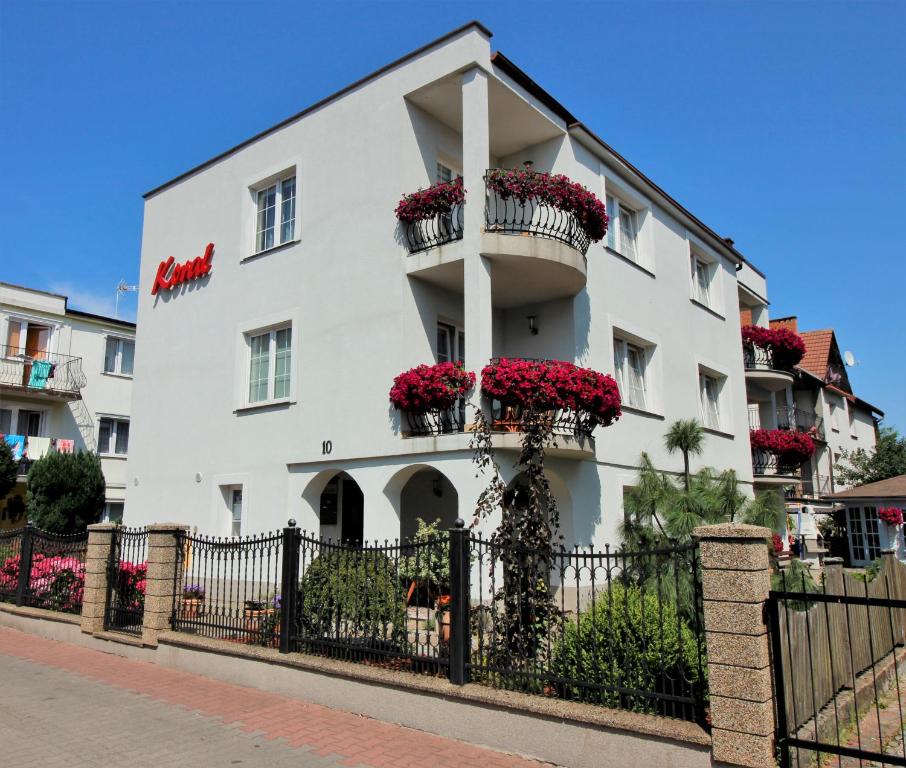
(628, 641)
(9, 468)
(353, 595)
(65, 492)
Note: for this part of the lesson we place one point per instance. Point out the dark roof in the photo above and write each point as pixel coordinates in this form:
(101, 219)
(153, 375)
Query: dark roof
(892, 487)
(104, 318)
(317, 105)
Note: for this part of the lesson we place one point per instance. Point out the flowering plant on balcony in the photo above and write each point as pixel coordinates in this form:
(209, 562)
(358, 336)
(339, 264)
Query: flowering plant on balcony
(791, 448)
(555, 190)
(787, 347)
(427, 203)
(891, 515)
(431, 387)
(545, 385)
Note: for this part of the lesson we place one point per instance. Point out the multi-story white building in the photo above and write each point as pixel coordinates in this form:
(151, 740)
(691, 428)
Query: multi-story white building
(264, 363)
(65, 384)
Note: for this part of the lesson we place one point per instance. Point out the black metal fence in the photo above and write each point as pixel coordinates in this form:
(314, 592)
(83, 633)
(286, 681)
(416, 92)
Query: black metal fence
(509, 216)
(839, 664)
(615, 628)
(439, 229)
(126, 571)
(42, 569)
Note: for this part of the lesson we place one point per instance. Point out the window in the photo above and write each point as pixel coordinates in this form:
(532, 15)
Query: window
(113, 436)
(119, 355)
(236, 511)
(113, 512)
(835, 416)
(269, 352)
(451, 343)
(710, 387)
(6, 421)
(29, 423)
(623, 232)
(630, 362)
(702, 273)
(280, 196)
(444, 174)
(30, 339)
(852, 421)
(864, 534)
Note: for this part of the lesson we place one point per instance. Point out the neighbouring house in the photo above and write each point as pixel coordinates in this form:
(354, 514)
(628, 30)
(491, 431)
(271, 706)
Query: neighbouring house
(65, 385)
(867, 506)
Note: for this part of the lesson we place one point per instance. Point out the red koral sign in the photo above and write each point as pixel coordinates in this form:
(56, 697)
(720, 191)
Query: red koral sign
(169, 276)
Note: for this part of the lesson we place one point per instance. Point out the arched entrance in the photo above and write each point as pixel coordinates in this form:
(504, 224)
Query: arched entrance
(518, 488)
(341, 510)
(421, 491)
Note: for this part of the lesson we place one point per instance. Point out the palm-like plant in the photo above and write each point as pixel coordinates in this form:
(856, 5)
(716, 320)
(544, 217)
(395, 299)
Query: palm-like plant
(688, 437)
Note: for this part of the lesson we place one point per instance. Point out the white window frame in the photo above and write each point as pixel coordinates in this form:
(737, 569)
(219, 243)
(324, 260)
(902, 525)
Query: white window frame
(236, 526)
(455, 338)
(702, 271)
(25, 321)
(711, 408)
(260, 185)
(106, 516)
(118, 354)
(14, 412)
(271, 395)
(862, 526)
(618, 210)
(834, 415)
(632, 395)
(115, 428)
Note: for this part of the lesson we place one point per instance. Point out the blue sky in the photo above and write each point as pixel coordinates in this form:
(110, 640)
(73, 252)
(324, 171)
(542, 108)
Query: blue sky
(780, 125)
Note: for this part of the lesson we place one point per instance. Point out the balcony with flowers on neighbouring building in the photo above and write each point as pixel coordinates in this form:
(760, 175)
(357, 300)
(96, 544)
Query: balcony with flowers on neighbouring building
(770, 356)
(516, 393)
(778, 455)
(41, 374)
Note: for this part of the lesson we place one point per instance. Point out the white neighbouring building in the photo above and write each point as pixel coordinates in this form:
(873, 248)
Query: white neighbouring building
(261, 389)
(83, 403)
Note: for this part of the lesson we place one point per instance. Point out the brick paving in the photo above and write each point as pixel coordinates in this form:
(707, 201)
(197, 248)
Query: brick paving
(63, 705)
(880, 729)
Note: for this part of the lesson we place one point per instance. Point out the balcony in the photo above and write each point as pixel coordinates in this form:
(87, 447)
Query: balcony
(790, 418)
(813, 487)
(435, 231)
(769, 470)
(761, 368)
(43, 374)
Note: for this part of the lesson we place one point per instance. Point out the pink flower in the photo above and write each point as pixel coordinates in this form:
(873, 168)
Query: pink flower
(787, 347)
(891, 515)
(791, 447)
(431, 387)
(427, 203)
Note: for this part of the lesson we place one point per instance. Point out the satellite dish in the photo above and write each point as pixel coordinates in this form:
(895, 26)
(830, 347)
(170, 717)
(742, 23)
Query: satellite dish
(849, 358)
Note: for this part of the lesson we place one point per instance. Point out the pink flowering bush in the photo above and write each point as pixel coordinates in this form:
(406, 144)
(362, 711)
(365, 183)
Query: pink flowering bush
(130, 584)
(431, 387)
(59, 581)
(791, 448)
(427, 203)
(787, 347)
(545, 385)
(891, 515)
(555, 190)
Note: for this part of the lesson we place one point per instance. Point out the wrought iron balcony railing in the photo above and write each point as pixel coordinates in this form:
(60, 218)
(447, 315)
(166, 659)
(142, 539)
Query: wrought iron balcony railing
(447, 422)
(811, 487)
(41, 372)
(756, 358)
(801, 420)
(766, 464)
(510, 217)
(440, 229)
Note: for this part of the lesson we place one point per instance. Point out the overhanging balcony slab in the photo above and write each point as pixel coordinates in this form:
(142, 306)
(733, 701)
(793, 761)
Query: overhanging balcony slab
(530, 268)
(564, 446)
(769, 379)
(441, 266)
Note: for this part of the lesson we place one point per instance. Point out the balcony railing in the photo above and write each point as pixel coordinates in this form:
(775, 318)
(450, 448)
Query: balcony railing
(41, 372)
(429, 233)
(811, 487)
(765, 464)
(801, 420)
(756, 358)
(509, 216)
(447, 422)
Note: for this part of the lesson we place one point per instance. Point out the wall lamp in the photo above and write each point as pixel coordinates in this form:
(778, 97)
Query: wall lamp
(532, 325)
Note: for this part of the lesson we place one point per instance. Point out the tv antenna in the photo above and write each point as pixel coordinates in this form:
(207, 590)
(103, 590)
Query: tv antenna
(120, 290)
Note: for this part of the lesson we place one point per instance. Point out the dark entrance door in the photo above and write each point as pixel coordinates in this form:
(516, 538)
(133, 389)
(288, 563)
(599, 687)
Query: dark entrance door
(353, 520)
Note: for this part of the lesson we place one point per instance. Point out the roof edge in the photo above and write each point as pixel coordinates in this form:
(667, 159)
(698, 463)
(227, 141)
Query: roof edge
(526, 82)
(101, 318)
(474, 24)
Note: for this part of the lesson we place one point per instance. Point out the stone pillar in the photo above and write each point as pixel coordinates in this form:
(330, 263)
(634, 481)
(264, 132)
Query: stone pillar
(478, 309)
(97, 557)
(736, 578)
(163, 579)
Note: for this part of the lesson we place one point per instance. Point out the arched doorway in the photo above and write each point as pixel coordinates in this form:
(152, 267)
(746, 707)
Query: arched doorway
(341, 510)
(428, 495)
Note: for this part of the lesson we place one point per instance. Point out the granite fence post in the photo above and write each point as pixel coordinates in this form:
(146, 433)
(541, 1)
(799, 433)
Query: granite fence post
(163, 578)
(97, 558)
(736, 579)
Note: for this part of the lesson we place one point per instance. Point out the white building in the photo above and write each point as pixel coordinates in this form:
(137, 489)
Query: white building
(262, 379)
(65, 384)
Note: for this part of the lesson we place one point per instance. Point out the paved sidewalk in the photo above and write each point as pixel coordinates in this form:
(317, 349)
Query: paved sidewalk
(63, 705)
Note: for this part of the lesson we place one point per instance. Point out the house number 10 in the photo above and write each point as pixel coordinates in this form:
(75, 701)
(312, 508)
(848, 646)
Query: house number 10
(326, 447)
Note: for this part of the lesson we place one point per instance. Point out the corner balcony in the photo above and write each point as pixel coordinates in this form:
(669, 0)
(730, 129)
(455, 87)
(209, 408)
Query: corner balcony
(535, 241)
(41, 374)
(761, 368)
(769, 470)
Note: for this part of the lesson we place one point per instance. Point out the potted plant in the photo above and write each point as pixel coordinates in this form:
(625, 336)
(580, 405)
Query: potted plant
(192, 601)
(442, 616)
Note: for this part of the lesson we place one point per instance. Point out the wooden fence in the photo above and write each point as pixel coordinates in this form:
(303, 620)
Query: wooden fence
(827, 646)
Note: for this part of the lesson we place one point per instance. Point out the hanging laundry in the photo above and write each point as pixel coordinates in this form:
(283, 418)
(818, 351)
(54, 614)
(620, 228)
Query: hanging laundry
(64, 445)
(40, 371)
(37, 447)
(17, 443)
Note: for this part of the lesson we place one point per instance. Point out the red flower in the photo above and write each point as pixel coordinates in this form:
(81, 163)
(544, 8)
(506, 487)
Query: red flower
(431, 387)
(552, 384)
(891, 515)
(427, 203)
(555, 190)
(778, 543)
(791, 447)
(787, 347)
